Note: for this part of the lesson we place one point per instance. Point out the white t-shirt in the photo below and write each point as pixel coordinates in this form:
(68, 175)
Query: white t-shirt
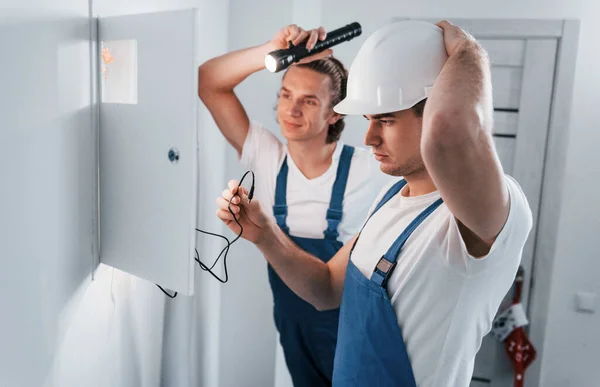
(308, 199)
(444, 299)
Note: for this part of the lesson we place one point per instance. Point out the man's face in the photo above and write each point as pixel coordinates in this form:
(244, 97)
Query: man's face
(396, 142)
(304, 109)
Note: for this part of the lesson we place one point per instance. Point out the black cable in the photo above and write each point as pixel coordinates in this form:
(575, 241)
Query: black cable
(221, 253)
(226, 248)
(165, 292)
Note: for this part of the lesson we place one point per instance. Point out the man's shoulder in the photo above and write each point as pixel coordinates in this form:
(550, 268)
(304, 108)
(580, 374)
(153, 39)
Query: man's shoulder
(262, 133)
(366, 171)
(362, 154)
(264, 139)
(261, 148)
(519, 204)
(364, 163)
(506, 250)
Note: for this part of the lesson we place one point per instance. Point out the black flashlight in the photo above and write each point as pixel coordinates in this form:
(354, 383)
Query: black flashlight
(279, 60)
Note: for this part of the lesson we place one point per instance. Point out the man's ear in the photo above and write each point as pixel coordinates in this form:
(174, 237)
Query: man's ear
(334, 118)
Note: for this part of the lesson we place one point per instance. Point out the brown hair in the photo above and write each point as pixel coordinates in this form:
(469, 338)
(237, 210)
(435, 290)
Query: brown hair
(419, 108)
(338, 75)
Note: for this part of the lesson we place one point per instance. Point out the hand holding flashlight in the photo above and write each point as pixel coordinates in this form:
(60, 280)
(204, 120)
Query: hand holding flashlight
(293, 35)
(301, 50)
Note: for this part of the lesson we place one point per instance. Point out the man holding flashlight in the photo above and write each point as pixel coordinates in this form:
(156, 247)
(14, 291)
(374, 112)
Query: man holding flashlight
(317, 188)
(420, 284)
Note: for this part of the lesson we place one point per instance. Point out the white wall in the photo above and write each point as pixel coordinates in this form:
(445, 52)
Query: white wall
(572, 349)
(59, 328)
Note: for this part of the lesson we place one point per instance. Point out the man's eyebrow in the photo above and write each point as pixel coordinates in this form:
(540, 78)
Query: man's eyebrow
(311, 96)
(380, 116)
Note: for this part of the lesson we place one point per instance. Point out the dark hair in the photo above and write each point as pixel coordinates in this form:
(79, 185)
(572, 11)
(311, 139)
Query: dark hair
(338, 75)
(419, 108)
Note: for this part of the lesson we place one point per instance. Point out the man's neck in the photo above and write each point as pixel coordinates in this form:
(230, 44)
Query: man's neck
(312, 158)
(418, 183)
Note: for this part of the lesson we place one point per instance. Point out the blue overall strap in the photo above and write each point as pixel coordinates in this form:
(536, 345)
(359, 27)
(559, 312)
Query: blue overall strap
(391, 192)
(280, 209)
(387, 263)
(335, 211)
(388, 195)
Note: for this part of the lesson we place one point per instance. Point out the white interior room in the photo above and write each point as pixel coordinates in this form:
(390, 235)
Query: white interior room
(74, 315)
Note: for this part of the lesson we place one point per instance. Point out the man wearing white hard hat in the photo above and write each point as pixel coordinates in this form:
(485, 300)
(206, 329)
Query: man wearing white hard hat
(420, 284)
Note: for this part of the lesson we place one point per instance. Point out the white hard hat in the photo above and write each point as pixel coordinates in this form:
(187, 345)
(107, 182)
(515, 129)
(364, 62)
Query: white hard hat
(394, 69)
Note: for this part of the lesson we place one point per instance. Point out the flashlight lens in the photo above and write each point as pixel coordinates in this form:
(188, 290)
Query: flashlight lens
(270, 63)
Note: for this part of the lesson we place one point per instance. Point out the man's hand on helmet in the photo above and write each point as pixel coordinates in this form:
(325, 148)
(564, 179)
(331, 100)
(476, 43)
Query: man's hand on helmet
(454, 36)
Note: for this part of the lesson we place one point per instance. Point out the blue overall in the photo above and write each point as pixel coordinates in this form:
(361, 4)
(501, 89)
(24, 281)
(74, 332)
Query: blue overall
(370, 349)
(308, 337)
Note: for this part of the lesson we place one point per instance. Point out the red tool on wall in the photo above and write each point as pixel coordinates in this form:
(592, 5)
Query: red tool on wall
(508, 327)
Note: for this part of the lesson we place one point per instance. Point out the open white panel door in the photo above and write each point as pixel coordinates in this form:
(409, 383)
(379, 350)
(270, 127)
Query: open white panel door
(148, 146)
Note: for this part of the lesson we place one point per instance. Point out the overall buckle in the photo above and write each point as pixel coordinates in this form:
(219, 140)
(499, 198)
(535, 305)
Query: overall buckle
(385, 266)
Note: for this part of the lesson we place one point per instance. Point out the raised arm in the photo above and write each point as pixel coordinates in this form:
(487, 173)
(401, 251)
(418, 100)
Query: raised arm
(216, 80)
(457, 145)
(318, 283)
(218, 77)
